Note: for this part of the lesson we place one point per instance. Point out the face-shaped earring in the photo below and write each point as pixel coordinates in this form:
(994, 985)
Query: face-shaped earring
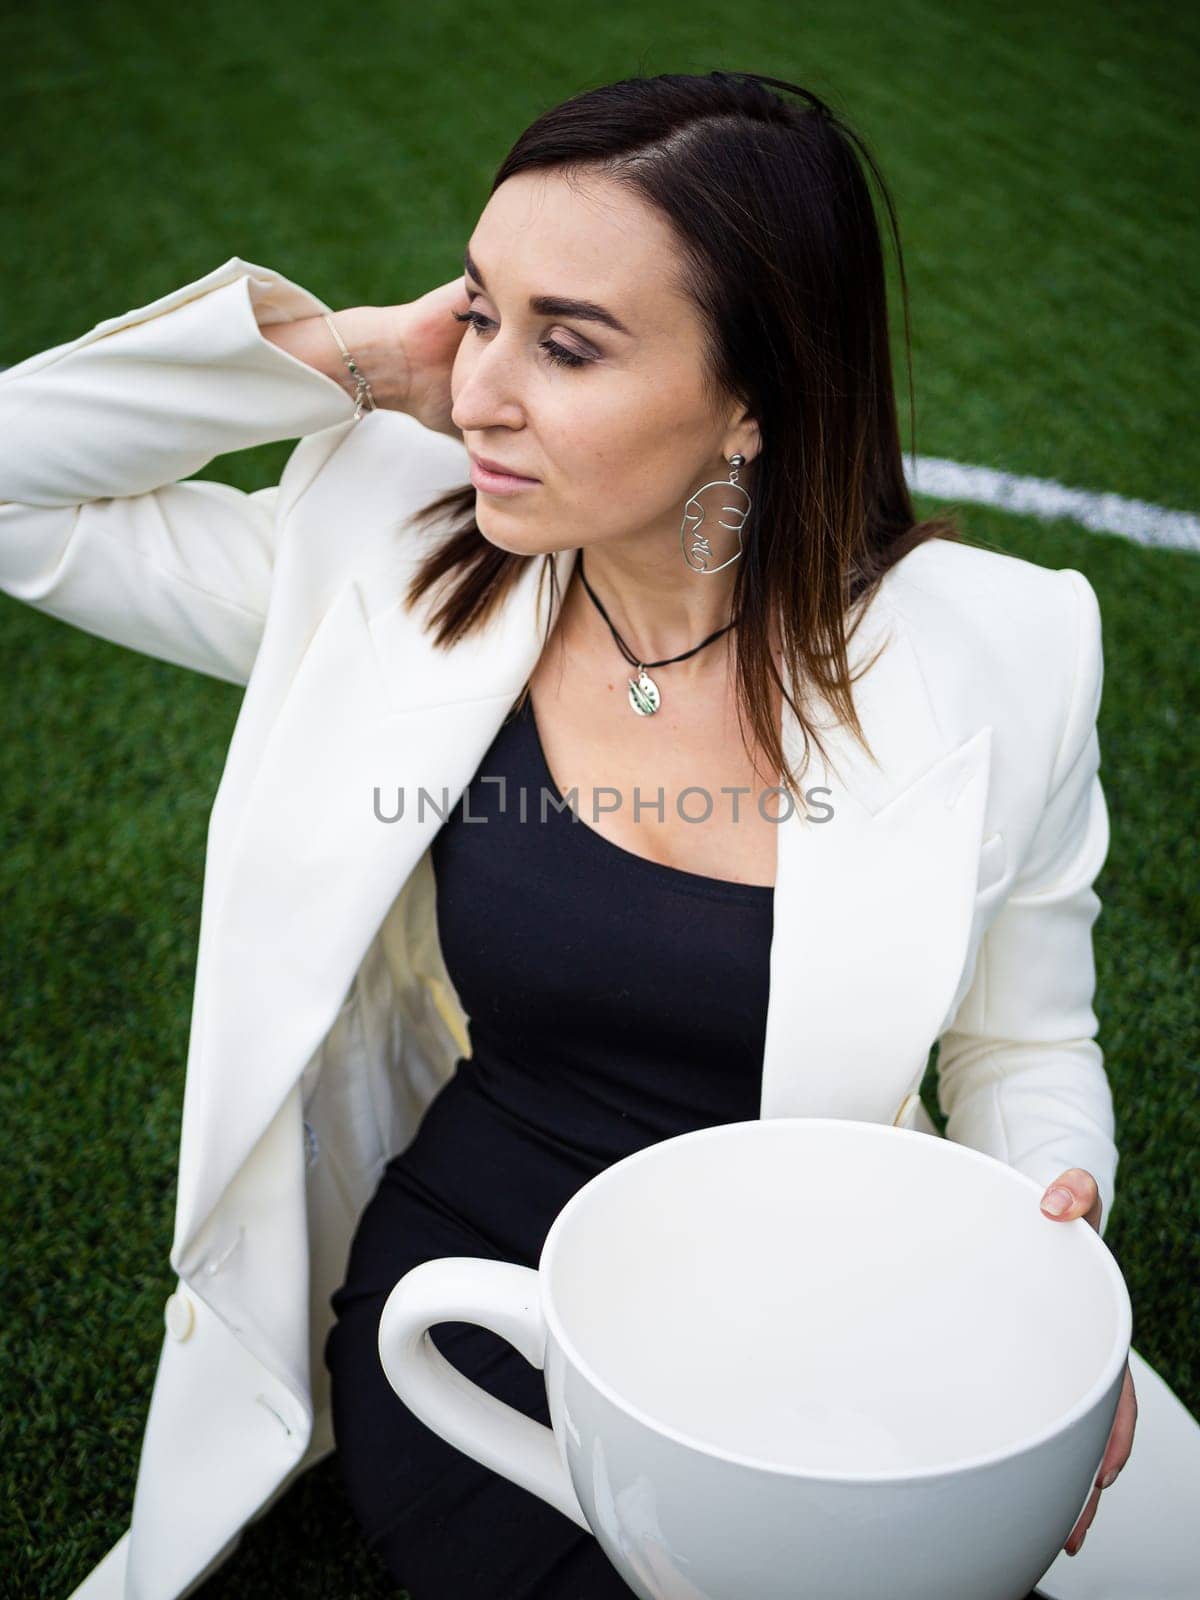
(697, 551)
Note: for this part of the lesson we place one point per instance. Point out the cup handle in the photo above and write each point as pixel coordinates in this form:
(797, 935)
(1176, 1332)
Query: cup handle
(499, 1295)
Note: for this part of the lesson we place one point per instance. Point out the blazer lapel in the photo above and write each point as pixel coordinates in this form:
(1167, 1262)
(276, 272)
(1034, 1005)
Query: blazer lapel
(311, 871)
(872, 908)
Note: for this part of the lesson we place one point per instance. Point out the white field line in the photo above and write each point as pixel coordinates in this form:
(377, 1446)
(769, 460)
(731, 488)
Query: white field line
(1043, 497)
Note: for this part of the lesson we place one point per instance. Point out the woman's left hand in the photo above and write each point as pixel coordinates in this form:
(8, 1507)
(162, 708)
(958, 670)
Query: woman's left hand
(1077, 1195)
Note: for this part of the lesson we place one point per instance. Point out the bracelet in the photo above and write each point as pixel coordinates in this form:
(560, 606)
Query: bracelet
(362, 389)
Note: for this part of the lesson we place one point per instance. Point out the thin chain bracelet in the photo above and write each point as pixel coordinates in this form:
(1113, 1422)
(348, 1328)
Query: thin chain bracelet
(362, 389)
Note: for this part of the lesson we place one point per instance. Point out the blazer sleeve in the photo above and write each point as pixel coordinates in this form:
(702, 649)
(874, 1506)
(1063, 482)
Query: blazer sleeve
(95, 527)
(1020, 1072)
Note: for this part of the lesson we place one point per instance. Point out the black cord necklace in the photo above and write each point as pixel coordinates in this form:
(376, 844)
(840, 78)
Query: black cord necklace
(644, 694)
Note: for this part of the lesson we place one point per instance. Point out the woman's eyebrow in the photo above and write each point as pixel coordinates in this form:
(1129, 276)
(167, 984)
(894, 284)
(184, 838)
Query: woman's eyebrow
(551, 305)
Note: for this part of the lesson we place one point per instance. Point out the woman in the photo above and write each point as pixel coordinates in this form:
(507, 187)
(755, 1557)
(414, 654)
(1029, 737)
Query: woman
(678, 341)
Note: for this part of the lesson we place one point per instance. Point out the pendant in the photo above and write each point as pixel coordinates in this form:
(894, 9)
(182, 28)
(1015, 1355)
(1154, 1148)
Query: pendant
(643, 694)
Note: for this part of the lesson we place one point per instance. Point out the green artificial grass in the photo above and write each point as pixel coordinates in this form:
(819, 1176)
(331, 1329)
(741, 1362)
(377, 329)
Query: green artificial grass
(1040, 159)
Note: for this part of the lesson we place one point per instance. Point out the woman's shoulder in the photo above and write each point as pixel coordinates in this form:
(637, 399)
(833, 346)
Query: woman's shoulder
(979, 579)
(350, 496)
(387, 462)
(999, 609)
(1000, 639)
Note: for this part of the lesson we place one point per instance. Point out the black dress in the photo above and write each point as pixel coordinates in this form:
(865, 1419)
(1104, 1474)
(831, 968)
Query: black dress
(613, 1002)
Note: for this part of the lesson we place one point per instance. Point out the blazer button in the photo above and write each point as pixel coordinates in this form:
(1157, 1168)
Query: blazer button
(179, 1316)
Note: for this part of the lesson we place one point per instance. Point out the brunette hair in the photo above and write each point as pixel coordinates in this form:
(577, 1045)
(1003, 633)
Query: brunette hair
(781, 253)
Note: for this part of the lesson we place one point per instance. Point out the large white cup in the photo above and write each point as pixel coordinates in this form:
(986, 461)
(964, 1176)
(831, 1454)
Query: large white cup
(794, 1357)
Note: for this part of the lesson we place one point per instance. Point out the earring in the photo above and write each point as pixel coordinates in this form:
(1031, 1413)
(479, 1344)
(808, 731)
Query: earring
(696, 549)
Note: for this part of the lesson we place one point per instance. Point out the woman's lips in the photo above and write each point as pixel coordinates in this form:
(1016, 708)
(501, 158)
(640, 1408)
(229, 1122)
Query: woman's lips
(498, 482)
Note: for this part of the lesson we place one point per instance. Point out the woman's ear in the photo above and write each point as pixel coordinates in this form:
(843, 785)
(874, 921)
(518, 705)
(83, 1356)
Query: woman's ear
(743, 438)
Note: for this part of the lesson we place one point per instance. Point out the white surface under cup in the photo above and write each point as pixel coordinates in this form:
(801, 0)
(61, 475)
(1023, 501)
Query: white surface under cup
(794, 1359)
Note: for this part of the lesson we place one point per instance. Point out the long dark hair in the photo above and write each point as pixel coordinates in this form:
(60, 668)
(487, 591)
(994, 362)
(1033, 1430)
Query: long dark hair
(781, 253)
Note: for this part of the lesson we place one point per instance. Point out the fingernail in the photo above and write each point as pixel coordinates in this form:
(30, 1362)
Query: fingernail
(1057, 1201)
(1109, 1478)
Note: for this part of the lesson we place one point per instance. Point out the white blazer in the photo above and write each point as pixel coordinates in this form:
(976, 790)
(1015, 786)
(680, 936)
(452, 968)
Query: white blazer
(950, 897)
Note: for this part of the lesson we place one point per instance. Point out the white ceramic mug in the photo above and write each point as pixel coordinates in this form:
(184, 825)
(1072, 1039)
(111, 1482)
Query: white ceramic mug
(794, 1357)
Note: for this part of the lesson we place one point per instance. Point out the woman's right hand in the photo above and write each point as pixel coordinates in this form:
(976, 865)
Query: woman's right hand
(428, 338)
(405, 352)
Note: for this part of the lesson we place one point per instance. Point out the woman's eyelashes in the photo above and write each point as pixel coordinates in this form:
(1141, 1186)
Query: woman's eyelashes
(555, 353)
